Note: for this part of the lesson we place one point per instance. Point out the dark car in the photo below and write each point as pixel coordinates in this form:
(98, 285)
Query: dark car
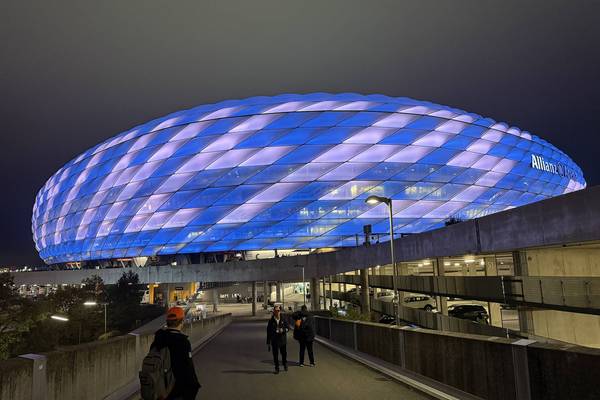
(472, 312)
(387, 319)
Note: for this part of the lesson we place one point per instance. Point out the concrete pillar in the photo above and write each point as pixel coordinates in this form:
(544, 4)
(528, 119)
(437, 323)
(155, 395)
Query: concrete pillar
(520, 263)
(266, 291)
(324, 294)
(525, 314)
(278, 292)
(365, 300)
(216, 300)
(330, 292)
(440, 301)
(39, 387)
(315, 295)
(493, 308)
(254, 299)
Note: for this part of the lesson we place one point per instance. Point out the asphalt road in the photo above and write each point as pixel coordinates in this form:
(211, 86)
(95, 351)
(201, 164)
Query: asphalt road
(236, 365)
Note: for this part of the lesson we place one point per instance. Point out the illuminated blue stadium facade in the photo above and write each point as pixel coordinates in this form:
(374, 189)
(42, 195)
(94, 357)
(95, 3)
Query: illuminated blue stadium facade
(289, 172)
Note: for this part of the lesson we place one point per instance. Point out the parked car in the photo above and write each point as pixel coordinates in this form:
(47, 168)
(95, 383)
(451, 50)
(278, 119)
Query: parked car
(388, 297)
(356, 291)
(472, 312)
(419, 301)
(387, 319)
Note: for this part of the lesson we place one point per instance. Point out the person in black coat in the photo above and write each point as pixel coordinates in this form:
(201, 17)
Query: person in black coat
(186, 380)
(277, 338)
(304, 332)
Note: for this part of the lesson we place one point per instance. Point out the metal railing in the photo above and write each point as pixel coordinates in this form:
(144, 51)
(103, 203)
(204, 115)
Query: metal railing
(498, 369)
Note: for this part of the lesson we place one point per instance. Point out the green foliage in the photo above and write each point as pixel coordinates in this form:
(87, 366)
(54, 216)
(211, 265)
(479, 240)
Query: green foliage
(352, 314)
(125, 311)
(26, 326)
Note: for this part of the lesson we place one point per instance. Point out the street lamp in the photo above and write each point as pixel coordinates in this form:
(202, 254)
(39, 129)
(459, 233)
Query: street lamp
(386, 200)
(93, 303)
(303, 282)
(59, 318)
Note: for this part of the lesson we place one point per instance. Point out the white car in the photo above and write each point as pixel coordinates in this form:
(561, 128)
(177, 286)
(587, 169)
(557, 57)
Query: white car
(419, 301)
(387, 297)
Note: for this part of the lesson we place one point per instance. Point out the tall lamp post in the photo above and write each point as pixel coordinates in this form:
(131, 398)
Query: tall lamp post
(93, 303)
(386, 200)
(303, 282)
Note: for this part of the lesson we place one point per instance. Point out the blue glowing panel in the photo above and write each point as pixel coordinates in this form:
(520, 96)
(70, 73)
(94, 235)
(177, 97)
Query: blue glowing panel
(289, 171)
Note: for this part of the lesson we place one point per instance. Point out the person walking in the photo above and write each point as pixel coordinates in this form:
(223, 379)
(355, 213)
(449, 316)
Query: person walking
(186, 381)
(304, 332)
(277, 338)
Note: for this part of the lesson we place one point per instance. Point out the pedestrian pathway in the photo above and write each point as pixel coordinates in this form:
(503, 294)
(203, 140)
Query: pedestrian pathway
(237, 365)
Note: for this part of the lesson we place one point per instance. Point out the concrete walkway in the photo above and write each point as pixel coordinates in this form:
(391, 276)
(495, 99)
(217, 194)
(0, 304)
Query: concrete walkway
(236, 365)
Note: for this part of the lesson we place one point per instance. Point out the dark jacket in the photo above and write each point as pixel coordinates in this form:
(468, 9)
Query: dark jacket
(306, 332)
(273, 337)
(186, 381)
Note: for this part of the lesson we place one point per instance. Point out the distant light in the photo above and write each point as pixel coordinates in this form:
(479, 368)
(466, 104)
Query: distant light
(238, 254)
(481, 262)
(456, 264)
(426, 262)
(90, 303)
(469, 261)
(447, 263)
(59, 318)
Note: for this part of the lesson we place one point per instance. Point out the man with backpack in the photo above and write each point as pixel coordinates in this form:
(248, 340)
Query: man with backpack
(168, 370)
(304, 333)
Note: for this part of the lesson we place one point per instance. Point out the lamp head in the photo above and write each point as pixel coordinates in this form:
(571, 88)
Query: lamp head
(377, 199)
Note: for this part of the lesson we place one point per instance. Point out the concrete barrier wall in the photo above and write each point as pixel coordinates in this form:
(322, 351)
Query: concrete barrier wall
(16, 379)
(488, 367)
(85, 371)
(89, 371)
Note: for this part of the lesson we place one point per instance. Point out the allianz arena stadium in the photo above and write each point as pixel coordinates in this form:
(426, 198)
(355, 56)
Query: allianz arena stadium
(289, 172)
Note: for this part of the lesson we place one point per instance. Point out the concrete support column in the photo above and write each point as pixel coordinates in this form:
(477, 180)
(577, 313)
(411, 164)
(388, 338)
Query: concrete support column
(278, 292)
(402, 271)
(441, 302)
(216, 300)
(520, 263)
(254, 299)
(324, 295)
(365, 300)
(521, 269)
(493, 308)
(330, 292)
(266, 290)
(315, 295)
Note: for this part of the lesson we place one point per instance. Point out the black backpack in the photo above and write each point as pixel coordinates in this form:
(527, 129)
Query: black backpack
(156, 377)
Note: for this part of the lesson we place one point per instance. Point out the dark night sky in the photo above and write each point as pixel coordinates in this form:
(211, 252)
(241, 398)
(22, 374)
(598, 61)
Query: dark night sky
(75, 73)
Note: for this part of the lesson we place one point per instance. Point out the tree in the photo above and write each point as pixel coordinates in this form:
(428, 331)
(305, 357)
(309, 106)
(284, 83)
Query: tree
(94, 287)
(124, 301)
